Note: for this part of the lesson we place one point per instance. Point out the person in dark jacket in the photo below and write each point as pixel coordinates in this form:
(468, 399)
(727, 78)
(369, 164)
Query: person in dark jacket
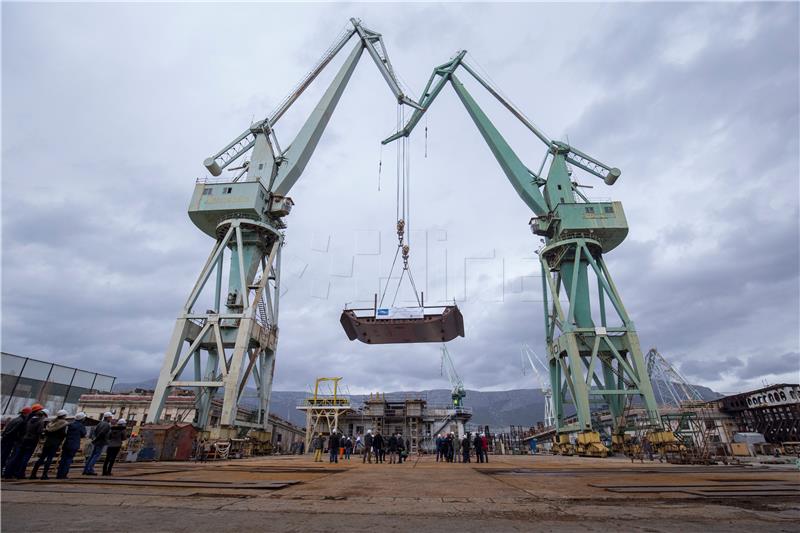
(54, 433)
(401, 448)
(333, 447)
(478, 448)
(377, 446)
(348, 447)
(439, 446)
(30, 440)
(449, 447)
(12, 434)
(317, 445)
(99, 442)
(367, 448)
(392, 448)
(115, 437)
(465, 449)
(76, 430)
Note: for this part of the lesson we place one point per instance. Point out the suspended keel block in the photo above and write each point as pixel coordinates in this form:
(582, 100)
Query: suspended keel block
(433, 327)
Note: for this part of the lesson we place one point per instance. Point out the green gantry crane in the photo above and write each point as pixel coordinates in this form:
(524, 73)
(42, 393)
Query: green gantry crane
(593, 349)
(227, 337)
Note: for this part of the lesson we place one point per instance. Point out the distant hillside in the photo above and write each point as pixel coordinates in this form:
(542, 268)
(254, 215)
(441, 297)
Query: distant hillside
(518, 407)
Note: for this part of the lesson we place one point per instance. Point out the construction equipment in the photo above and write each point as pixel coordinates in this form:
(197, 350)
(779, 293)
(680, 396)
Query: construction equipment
(544, 384)
(457, 392)
(232, 343)
(593, 354)
(562, 445)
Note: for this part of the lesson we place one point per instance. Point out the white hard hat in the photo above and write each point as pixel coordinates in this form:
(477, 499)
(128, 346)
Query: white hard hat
(80, 416)
(61, 413)
(45, 412)
(108, 414)
(122, 422)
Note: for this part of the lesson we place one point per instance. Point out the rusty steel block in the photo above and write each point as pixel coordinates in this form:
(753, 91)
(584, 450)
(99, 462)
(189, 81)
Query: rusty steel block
(434, 327)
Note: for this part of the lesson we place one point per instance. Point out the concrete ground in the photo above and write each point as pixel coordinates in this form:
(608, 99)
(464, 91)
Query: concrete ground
(510, 493)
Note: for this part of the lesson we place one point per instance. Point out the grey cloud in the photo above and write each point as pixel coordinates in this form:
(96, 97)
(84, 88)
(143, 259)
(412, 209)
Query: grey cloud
(773, 365)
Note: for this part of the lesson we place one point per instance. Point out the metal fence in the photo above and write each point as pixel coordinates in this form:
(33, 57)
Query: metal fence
(26, 381)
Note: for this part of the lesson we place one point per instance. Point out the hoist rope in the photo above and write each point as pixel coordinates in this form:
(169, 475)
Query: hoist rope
(389, 277)
(402, 211)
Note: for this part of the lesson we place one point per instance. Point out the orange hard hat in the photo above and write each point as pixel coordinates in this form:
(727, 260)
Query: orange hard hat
(36, 407)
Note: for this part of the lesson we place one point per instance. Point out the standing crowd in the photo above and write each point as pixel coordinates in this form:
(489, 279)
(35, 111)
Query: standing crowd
(341, 446)
(449, 447)
(33, 426)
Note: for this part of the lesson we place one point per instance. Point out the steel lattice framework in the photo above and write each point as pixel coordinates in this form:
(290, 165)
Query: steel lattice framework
(670, 386)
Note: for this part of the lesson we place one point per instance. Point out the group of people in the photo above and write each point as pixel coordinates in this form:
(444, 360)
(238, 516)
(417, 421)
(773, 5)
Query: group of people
(62, 433)
(449, 446)
(376, 445)
(372, 445)
(339, 446)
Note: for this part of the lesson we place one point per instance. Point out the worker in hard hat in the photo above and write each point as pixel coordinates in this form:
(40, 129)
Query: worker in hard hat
(76, 430)
(115, 437)
(12, 435)
(379, 446)
(333, 446)
(99, 442)
(478, 445)
(348, 447)
(401, 448)
(54, 433)
(30, 439)
(367, 447)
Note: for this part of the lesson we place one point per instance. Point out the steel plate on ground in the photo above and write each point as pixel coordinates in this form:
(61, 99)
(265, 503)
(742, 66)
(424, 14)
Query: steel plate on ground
(440, 327)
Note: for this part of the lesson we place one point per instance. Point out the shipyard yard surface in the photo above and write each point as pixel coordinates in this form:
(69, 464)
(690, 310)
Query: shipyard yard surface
(510, 493)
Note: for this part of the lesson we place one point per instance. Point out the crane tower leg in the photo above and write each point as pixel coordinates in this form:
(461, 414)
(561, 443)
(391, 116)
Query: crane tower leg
(590, 362)
(232, 344)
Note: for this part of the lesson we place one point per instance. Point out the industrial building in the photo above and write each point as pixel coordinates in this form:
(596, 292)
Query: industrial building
(409, 415)
(772, 411)
(179, 407)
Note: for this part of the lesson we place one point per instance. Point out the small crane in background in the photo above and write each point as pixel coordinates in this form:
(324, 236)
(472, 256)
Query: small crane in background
(457, 391)
(547, 390)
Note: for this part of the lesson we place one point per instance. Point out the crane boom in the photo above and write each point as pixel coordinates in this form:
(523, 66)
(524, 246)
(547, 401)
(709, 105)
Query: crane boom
(315, 124)
(544, 384)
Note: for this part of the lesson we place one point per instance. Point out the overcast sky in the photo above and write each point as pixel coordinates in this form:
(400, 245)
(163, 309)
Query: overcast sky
(108, 111)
